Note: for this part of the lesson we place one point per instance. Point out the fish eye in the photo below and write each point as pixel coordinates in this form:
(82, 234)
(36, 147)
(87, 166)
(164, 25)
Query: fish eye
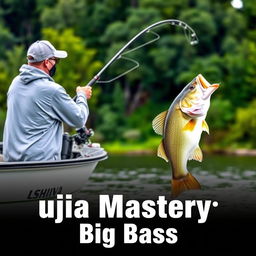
(193, 85)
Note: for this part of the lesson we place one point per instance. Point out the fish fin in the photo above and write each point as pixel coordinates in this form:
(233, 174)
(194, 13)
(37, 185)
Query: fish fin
(197, 154)
(161, 152)
(190, 125)
(205, 127)
(187, 183)
(158, 123)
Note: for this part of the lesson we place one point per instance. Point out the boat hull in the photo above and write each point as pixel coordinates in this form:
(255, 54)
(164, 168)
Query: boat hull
(29, 181)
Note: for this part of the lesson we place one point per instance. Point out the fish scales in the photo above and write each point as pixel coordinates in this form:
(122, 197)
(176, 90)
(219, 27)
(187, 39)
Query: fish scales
(181, 127)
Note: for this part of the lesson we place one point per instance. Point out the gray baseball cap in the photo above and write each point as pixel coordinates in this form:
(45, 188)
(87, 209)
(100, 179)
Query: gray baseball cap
(42, 50)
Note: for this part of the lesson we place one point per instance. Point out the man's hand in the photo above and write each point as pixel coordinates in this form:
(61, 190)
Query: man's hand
(87, 90)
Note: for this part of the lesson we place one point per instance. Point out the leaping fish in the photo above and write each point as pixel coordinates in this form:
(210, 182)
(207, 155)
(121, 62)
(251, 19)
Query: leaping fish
(181, 127)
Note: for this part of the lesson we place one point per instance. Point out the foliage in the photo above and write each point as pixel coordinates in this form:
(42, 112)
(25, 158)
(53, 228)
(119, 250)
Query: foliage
(112, 117)
(243, 130)
(65, 14)
(93, 31)
(6, 39)
(220, 114)
(9, 67)
(21, 18)
(79, 67)
(2, 119)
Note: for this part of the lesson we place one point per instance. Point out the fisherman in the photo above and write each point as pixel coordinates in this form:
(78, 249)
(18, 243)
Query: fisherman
(37, 106)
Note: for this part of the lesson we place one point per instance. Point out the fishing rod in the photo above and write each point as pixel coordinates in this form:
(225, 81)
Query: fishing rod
(189, 33)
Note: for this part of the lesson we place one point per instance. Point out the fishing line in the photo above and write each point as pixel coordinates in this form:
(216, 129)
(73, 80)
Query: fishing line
(188, 31)
(137, 64)
(147, 43)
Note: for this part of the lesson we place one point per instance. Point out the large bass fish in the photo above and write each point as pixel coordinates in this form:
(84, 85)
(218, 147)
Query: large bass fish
(181, 127)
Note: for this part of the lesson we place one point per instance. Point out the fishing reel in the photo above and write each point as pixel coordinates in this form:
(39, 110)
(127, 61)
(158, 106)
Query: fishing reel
(83, 135)
(81, 138)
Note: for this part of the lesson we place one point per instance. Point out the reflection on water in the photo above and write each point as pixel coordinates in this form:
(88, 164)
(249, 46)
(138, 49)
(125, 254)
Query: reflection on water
(229, 179)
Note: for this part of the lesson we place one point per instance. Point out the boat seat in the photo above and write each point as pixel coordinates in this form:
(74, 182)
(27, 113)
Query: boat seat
(1, 158)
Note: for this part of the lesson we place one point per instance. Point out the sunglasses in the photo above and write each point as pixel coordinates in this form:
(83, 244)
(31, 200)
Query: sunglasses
(55, 59)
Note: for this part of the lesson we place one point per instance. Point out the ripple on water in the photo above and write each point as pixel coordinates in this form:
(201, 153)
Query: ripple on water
(232, 184)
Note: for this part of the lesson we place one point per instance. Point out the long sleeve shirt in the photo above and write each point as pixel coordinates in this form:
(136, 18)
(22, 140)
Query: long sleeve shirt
(36, 109)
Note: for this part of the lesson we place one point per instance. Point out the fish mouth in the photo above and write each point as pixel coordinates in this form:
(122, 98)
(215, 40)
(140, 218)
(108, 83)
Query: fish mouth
(211, 89)
(208, 88)
(196, 113)
(215, 86)
(205, 84)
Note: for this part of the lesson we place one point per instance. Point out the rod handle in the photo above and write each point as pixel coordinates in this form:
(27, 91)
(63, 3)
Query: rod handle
(93, 81)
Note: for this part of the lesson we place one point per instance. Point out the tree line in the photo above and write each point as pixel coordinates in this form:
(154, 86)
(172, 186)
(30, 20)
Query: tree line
(93, 31)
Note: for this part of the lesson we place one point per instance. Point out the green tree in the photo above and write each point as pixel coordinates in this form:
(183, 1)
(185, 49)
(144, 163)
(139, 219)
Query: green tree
(111, 117)
(64, 14)
(225, 53)
(9, 68)
(88, 18)
(79, 67)
(7, 40)
(206, 28)
(21, 17)
(242, 133)
(168, 9)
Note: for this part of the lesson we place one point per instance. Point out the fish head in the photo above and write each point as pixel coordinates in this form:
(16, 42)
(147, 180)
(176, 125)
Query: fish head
(195, 97)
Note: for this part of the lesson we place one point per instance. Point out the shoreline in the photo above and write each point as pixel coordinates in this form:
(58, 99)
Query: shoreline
(234, 152)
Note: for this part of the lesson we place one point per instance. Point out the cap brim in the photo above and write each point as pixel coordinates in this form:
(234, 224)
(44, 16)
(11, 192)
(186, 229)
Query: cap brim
(60, 54)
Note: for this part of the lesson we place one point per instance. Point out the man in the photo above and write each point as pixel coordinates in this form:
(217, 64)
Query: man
(37, 106)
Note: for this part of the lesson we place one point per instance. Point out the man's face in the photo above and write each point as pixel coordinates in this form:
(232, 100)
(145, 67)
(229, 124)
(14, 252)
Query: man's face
(51, 65)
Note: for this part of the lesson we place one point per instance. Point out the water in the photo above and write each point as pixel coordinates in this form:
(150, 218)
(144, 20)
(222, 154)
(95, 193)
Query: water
(231, 180)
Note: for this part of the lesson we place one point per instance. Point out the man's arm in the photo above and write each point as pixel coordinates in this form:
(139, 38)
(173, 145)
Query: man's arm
(72, 113)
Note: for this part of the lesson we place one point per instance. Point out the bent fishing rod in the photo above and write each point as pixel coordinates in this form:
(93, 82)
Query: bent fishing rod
(189, 33)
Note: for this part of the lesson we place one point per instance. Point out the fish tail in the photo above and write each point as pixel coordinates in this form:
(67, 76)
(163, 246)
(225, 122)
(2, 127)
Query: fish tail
(183, 184)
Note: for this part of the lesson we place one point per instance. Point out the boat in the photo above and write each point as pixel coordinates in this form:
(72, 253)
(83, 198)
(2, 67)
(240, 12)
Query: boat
(36, 180)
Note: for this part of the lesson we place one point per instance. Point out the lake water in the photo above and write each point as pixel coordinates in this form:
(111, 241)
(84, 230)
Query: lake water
(231, 180)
